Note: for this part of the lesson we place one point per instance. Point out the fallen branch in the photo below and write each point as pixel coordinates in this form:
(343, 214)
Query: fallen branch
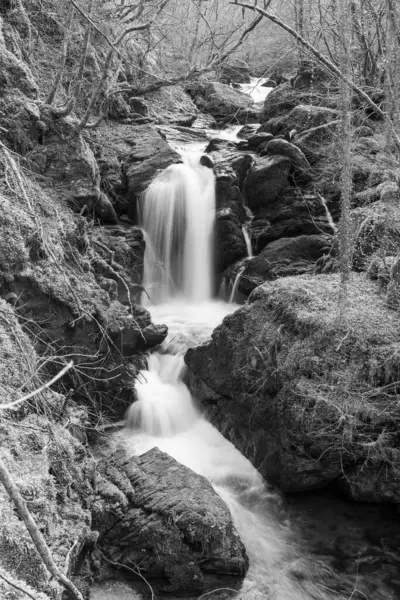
(12, 405)
(34, 532)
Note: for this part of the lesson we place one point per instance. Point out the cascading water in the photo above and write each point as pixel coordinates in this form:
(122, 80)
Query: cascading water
(177, 214)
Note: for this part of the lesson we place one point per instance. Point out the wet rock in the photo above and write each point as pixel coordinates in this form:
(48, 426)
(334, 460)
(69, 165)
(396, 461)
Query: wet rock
(266, 180)
(230, 242)
(152, 336)
(206, 162)
(284, 257)
(259, 138)
(308, 116)
(284, 98)
(222, 101)
(122, 249)
(139, 106)
(234, 73)
(288, 388)
(310, 141)
(171, 105)
(292, 213)
(300, 165)
(129, 158)
(105, 210)
(154, 512)
(269, 83)
(247, 131)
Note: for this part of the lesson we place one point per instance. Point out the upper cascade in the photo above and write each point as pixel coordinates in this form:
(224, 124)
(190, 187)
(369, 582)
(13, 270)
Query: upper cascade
(177, 213)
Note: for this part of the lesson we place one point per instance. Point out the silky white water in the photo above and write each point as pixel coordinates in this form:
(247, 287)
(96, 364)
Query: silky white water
(166, 416)
(177, 214)
(255, 89)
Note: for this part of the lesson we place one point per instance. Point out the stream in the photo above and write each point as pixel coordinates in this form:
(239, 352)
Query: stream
(314, 546)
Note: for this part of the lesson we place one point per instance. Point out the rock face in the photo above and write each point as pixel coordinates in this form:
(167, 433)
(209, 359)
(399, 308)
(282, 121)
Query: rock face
(129, 158)
(298, 390)
(154, 512)
(283, 257)
(266, 180)
(295, 212)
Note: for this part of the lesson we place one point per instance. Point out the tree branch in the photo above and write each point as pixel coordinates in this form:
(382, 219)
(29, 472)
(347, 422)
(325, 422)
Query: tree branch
(67, 36)
(34, 532)
(12, 405)
(324, 61)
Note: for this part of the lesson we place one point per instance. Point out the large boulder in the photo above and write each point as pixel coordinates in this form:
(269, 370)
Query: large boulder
(223, 102)
(307, 395)
(266, 179)
(300, 165)
(281, 100)
(234, 74)
(153, 512)
(129, 158)
(283, 257)
(171, 105)
(294, 212)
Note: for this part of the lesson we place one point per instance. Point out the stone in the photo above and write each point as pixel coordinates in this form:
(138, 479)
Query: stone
(308, 116)
(259, 138)
(105, 210)
(266, 179)
(282, 381)
(68, 160)
(154, 512)
(234, 73)
(171, 105)
(223, 101)
(293, 213)
(247, 131)
(129, 158)
(310, 140)
(206, 161)
(230, 241)
(284, 257)
(300, 165)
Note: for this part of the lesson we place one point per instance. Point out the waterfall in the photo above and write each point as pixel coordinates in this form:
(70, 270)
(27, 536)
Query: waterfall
(177, 214)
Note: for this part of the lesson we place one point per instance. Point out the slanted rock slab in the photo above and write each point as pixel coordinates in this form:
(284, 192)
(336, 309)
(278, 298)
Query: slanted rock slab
(154, 512)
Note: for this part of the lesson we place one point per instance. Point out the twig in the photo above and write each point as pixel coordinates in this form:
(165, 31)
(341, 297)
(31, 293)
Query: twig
(136, 571)
(17, 587)
(38, 390)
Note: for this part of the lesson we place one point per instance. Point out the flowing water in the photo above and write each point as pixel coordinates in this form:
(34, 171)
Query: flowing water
(177, 215)
(255, 89)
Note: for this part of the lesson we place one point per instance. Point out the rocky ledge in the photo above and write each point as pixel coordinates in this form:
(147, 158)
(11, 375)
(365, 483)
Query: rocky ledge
(306, 393)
